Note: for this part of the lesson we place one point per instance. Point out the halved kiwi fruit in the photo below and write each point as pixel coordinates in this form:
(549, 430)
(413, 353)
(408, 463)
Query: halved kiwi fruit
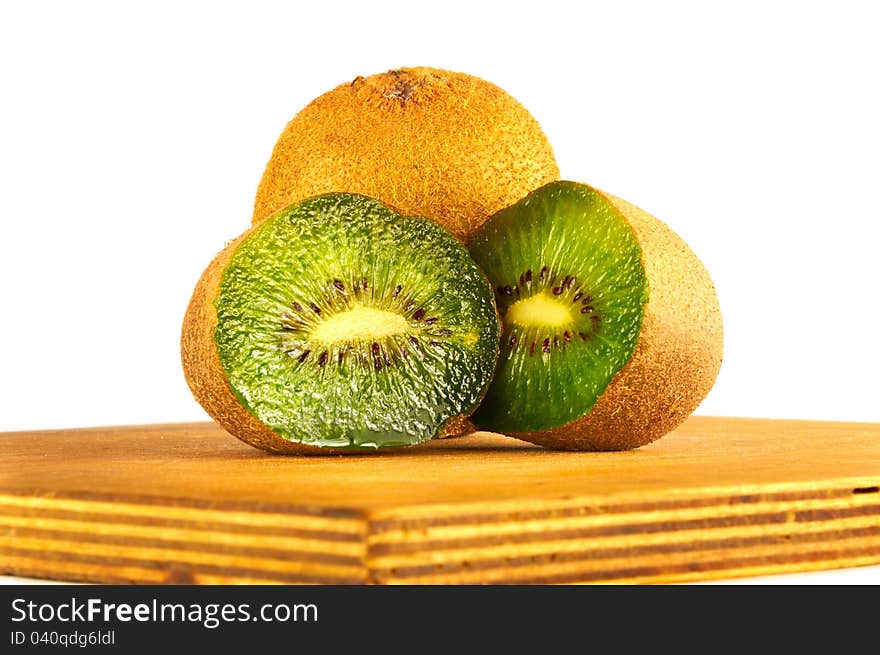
(340, 324)
(611, 327)
(431, 142)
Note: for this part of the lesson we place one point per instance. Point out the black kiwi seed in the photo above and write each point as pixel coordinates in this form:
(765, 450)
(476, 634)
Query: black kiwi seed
(444, 332)
(577, 296)
(322, 359)
(315, 308)
(396, 292)
(532, 349)
(419, 315)
(584, 336)
(377, 360)
(557, 291)
(409, 305)
(296, 306)
(586, 309)
(431, 320)
(546, 345)
(512, 339)
(529, 275)
(338, 284)
(302, 357)
(570, 282)
(543, 273)
(567, 336)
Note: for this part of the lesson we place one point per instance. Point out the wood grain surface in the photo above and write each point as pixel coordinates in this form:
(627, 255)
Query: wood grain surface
(187, 503)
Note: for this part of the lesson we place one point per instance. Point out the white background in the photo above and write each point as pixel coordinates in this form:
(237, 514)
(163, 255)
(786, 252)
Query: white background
(132, 141)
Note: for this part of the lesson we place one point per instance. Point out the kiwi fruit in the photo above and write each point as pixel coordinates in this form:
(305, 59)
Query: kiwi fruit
(430, 142)
(611, 326)
(339, 324)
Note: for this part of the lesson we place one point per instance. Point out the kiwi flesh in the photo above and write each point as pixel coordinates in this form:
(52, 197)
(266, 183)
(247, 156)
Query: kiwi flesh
(339, 324)
(612, 331)
(430, 142)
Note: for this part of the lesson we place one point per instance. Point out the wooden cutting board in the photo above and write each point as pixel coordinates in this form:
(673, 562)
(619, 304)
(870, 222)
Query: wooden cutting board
(186, 503)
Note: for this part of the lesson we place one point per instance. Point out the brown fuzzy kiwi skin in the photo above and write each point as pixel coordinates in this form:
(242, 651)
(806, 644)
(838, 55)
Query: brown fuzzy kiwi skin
(430, 142)
(206, 379)
(457, 426)
(676, 359)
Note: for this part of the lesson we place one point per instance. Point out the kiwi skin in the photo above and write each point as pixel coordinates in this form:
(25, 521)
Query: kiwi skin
(430, 142)
(676, 359)
(206, 379)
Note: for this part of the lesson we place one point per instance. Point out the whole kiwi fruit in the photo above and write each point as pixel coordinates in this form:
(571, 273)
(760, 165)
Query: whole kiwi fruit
(612, 330)
(448, 146)
(338, 324)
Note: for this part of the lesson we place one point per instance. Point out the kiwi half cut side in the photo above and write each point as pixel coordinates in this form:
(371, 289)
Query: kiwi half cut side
(611, 327)
(340, 324)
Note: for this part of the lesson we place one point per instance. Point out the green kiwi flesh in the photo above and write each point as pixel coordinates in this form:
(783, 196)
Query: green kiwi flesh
(342, 324)
(571, 289)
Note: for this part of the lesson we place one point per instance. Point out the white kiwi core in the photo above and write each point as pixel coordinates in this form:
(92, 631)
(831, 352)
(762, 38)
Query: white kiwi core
(360, 322)
(539, 310)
